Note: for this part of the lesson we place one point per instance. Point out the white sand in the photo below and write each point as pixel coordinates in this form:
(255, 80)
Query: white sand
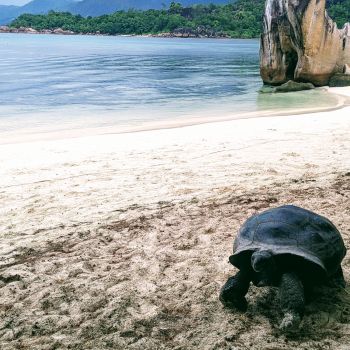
(111, 224)
(69, 180)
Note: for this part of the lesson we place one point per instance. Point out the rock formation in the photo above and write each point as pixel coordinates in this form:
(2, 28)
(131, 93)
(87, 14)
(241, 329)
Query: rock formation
(301, 42)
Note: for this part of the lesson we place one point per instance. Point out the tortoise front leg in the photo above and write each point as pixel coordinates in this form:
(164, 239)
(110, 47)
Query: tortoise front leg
(234, 291)
(337, 279)
(292, 300)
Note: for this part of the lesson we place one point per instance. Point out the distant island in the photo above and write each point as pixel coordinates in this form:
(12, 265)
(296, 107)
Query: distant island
(239, 19)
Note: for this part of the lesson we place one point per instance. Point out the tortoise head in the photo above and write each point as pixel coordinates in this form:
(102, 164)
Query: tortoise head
(263, 263)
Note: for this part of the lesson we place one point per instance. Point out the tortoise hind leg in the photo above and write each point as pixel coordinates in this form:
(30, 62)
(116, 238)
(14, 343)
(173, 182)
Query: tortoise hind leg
(292, 300)
(234, 291)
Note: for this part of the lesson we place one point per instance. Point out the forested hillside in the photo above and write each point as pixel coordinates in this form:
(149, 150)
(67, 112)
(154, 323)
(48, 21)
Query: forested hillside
(238, 20)
(100, 7)
(91, 7)
(241, 19)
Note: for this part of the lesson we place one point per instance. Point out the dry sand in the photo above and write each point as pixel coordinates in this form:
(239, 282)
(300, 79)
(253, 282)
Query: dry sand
(122, 241)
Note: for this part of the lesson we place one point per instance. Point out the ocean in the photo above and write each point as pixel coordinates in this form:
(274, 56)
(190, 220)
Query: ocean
(99, 83)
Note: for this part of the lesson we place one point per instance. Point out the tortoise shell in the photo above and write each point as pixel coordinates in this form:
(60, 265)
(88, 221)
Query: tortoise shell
(294, 231)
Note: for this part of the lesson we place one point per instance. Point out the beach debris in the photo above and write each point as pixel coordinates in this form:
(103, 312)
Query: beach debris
(290, 248)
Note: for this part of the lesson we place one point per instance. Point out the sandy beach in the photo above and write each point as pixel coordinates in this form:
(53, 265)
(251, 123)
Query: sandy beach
(121, 241)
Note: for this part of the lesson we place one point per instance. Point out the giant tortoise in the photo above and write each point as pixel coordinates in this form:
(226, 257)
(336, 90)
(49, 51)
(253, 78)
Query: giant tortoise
(290, 248)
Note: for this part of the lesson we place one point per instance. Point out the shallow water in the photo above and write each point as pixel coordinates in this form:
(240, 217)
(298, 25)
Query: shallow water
(71, 82)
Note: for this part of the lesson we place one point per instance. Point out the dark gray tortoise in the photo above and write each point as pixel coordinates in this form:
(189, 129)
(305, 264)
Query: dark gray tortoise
(286, 247)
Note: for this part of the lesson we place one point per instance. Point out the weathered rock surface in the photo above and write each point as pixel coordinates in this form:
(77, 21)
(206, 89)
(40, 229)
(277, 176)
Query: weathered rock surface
(340, 80)
(267, 89)
(289, 86)
(301, 42)
(25, 30)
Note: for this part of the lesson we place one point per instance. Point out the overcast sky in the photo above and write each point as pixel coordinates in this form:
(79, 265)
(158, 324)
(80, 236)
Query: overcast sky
(13, 2)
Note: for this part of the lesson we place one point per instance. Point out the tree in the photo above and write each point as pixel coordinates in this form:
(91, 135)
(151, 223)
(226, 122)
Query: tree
(175, 8)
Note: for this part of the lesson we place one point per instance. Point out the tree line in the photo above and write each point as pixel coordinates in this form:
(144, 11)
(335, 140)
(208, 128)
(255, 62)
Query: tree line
(240, 19)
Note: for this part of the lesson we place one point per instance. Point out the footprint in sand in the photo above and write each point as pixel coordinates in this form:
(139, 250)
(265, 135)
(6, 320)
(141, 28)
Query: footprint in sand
(291, 154)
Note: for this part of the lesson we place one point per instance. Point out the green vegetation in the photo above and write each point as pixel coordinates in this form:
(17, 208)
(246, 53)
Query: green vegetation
(238, 20)
(241, 19)
(339, 10)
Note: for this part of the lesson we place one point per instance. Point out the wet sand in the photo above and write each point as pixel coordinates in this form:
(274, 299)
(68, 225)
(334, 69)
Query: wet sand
(76, 124)
(122, 241)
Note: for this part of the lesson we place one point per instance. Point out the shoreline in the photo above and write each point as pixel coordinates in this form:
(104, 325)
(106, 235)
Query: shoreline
(36, 136)
(60, 31)
(344, 102)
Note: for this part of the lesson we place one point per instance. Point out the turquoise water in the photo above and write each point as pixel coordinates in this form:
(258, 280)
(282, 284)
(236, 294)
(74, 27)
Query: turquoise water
(64, 82)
